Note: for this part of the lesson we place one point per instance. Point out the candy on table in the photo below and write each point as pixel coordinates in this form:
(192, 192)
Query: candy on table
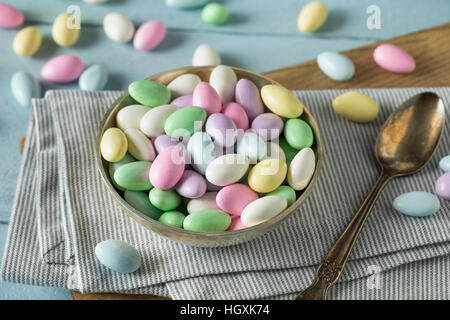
(298, 134)
(393, 58)
(118, 255)
(27, 41)
(248, 96)
(262, 209)
(223, 80)
(183, 84)
(153, 121)
(301, 169)
(185, 4)
(139, 146)
(417, 204)
(442, 187)
(191, 185)
(207, 221)
(134, 176)
(268, 126)
(114, 145)
(281, 101)
(172, 218)
(94, 78)
(141, 202)
(185, 121)
(149, 93)
(62, 69)
(336, 66)
(10, 17)
(65, 30)
(117, 27)
(356, 106)
(214, 13)
(235, 197)
(205, 55)
(165, 200)
(312, 16)
(206, 96)
(237, 113)
(24, 87)
(444, 163)
(267, 175)
(252, 146)
(149, 35)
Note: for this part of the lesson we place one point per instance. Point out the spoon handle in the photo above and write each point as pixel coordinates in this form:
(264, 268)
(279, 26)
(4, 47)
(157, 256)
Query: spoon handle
(333, 263)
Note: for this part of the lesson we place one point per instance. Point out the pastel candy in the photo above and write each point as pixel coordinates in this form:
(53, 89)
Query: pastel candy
(149, 93)
(206, 97)
(312, 16)
(185, 4)
(24, 87)
(274, 151)
(336, 66)
(205, 55)
(27, 41)
(149, 35)
(393, 58)
(191, 185)
(301, 169)
(163, 141)
(444, 164)
(139, 146)
(281, 101)
(417, 204)
(234, 198)
(252, 146)
(130, 116)
(118, 256)
(185, 121)
(286, 192)
(288, 151)
(140, 201)
(298, 134)
(227, 169)
(10, 17)
(247, 95)
(222, 129)
(164, 199)
(65, 30)
(117, 27)
(202, 151)
(443, 186)
(214, 13)
(94, 78)
(62, 69)
(237, 113)
(183, 101)
(267, 175)
(167, 168)
(262, 209)
(152, 123)
(223, 80)
(134, 176)
(172, 218)
(268, 126)
(207, 221)
(183, 85)
(236, 223)
(356, 106)
(113, 145)
(207, 201)
(113, 166)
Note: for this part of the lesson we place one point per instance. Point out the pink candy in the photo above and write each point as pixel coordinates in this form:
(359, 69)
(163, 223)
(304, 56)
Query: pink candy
(62, 69)
(393, 58)
(235, 197)
(207, 98)
(167, 168)
(149, 35)
(237, 113)
(10, 17)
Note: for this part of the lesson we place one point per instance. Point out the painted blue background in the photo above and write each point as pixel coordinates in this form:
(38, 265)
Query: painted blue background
(260, 35)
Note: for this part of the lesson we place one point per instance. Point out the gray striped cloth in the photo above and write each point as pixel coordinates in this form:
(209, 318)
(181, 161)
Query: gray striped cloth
(62, 210)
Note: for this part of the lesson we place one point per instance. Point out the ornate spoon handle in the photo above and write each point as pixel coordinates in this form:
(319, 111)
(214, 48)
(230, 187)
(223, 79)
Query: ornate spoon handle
(332, 265)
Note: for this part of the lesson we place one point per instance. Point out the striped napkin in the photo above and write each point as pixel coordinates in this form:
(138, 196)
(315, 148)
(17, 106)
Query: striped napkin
(62, 210)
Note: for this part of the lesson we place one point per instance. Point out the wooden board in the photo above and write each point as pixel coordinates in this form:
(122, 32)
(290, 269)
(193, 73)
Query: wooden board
(430, 48)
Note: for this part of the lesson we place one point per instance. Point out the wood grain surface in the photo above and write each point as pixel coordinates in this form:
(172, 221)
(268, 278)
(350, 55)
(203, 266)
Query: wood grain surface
(430, 48)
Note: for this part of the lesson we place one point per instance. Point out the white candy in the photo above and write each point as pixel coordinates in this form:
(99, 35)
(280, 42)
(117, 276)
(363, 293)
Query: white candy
(223, 80)
(227, 169)
(139, 146)
(183, 85)
(207, 201)
(301, 169)
(117, 27)
(205, 55)
(152, 123)
(262, 209)
(130, 116)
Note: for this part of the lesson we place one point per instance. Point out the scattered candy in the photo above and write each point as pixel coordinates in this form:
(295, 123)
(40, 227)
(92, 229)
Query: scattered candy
(149, 93)
(262, 210)
(207, 221)
(141, 202)
(94, 78)
(312, 16)
(417, 204)
(24, 87)
(356, 106)
(117, 27)
(118, 256)
(65, 30)
(62, 69)
(27, 41)
(205, 55)
(185, 4)
(183, 85)
(444, 164)
(336, 66)
(149, 35)
(214, 13)
(281, 101)
(301, 169)
(10, 17)
(394, 58)
(443, 186)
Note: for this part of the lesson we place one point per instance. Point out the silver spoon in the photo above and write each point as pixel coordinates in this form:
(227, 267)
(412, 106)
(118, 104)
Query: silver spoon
(405, 144)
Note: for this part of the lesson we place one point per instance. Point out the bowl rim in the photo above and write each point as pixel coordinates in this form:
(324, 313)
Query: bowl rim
(259, 227)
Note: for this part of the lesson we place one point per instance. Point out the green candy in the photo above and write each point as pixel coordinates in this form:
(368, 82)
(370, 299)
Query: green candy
(149, 93)
(289, 152)
(164, 199)
(286, 192)
(134, 176)
(207, 221)
(113, 166)
(185, 121)
(139, 200)
(214, 13)
(172, 218)
(298, 134)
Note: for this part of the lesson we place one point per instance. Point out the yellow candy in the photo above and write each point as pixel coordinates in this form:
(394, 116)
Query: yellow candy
(281, 101)
(267, 175)
(114, 145)
(27, 41)
(312, 16)
(64, 30)
(356, 107)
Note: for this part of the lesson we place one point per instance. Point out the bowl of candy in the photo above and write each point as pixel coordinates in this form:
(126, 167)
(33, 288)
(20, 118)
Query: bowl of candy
(209, 156)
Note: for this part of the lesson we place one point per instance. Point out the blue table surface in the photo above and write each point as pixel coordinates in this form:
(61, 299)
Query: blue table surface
(260, 35)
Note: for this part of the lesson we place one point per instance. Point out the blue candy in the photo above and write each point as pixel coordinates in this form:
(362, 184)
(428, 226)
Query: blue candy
(94, 78)
(336, 66)
(417, 204)
(24, 87)
(445, 163)
(118, 256)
